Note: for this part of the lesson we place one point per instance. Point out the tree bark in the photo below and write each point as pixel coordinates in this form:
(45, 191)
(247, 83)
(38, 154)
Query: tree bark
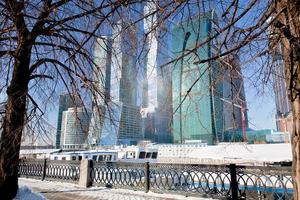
(14, 121)
(296, 148)
(289, 27)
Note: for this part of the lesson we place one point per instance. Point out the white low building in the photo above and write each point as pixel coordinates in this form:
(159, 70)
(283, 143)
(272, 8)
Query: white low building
(37, 153)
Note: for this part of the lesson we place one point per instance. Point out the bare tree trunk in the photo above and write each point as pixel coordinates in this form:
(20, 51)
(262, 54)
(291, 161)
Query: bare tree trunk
(296, 148)
(14, 120)
(295, 99)
(289, 26)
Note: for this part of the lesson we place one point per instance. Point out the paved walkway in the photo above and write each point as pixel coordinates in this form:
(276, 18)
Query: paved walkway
(68, 191)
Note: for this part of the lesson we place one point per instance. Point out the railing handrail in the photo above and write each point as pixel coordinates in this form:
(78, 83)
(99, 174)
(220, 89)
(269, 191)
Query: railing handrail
(220, 180)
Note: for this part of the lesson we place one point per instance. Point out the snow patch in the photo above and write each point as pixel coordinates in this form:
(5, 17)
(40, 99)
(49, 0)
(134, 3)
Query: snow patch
(25, 193)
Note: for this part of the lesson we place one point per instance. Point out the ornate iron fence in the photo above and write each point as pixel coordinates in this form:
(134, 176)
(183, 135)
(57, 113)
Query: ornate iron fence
(64, 171)
(218, 181)
(264, 182)
(31, 168)
(125, 175)
(50, 169)
(191, 179)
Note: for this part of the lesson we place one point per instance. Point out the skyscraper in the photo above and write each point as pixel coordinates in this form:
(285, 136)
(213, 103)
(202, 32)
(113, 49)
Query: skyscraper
(121, 115)
(284, 119)
(101, 92)
(65, 101)
(193, 118)
(157, 107)
(234, 99)
(74, 128)
(204, 96)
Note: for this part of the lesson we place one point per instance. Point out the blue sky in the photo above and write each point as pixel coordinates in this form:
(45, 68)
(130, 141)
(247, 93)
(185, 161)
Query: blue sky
(261, 108)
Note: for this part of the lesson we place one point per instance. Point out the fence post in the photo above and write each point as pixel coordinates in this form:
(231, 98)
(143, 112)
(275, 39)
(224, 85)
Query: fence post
(44, 169)
(147, 177)
(85, 173)
(109, 174)
(233, 184)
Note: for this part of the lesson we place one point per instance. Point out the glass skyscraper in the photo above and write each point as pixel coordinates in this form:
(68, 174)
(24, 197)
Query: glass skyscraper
(234, 99)
(74, 128)
(284, 117)
(121, 120)
(157, 104)
(65, 101)
(101, 92)
(197, 104)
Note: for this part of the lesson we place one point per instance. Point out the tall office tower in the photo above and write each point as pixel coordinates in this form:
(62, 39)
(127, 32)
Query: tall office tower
(157, 107)
(65, 101)
(234, 100)
(101, 92)
(122, 121)
(74, 128)
(197, 94)
(284, 121)
(284, 116)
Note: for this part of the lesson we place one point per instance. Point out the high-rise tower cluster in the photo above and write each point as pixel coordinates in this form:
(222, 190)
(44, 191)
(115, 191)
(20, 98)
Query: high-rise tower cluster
(147, 89)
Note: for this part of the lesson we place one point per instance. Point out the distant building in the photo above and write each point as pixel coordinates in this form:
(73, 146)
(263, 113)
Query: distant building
(285, 122)
(284, 118)
(234, 99)
(200, 115)
(208, 98)
(101, 95)
(157, 97)
(278, 137)
(74, 128)
(121, 119)
(65, 101)
(258, 136)
(253, 136)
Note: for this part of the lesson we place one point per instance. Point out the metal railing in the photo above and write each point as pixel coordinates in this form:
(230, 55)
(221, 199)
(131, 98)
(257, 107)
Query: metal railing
(50, 170)
(264, 182)
(217, 181)
(191, 179)
(31, 168)
(124, 175)
(65, 171)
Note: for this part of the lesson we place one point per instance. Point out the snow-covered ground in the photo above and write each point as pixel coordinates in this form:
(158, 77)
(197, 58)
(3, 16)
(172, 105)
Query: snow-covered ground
(225, 153)
(255, 152)
(25, 193)
(68, 191)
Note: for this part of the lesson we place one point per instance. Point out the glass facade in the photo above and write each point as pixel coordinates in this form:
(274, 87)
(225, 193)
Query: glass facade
(65, 101)
(234, 100)
(111, 125)
(283, 107)
(121, 116)
(157, 80)
(74, 127)
(198, 116)
(101, 95)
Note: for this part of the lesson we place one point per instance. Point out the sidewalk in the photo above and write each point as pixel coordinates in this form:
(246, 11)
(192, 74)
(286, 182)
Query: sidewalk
(67, 191)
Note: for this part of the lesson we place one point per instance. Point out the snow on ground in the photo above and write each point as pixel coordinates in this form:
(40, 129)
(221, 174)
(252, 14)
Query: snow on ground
(226, 153)
(240, 151)
(66, 191)
(25, 193)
